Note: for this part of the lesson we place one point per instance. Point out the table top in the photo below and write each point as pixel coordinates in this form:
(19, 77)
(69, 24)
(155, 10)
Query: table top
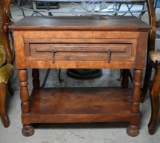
(81, 22)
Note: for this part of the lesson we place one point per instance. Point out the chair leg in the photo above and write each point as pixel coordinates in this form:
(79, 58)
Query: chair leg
(11, 91)
(154, 96)
(146, 82)
(3, 97)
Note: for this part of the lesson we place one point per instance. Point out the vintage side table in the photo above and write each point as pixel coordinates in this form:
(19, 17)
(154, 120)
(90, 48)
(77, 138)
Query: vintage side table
(80, 42)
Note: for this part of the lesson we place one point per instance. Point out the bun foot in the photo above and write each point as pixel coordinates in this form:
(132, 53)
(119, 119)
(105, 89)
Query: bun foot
(5, 121)
(27, 130)
(132, 130)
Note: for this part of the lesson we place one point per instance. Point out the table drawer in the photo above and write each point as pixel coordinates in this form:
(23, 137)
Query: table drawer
(80, 52)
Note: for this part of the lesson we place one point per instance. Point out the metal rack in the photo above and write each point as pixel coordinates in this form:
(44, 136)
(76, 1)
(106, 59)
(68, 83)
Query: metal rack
(89, 7)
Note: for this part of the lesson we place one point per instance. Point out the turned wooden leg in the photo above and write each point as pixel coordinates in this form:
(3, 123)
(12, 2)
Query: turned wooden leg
(3, 110)
(133, 130)
(27, 130)
(146, 82)
(154, 96)
(36, 81)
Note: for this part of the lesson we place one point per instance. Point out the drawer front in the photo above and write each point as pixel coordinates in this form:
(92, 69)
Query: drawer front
(122, 51)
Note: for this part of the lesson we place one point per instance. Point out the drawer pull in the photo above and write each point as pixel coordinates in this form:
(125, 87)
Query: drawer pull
(109, 55)
(53, 54)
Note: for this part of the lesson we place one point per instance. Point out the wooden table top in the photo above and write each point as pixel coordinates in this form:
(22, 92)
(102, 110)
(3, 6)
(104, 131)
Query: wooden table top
(81, 22)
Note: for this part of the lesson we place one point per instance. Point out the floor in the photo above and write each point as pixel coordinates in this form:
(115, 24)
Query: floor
(73, 133)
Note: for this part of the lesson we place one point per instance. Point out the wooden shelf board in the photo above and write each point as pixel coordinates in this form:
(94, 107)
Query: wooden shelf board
(62, 105)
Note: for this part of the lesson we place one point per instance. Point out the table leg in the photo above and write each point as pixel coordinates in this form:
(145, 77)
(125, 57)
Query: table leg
(133, 130)
(27, 130)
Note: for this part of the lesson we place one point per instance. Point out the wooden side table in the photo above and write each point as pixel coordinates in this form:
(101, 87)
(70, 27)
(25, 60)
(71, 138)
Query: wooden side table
(80, 42)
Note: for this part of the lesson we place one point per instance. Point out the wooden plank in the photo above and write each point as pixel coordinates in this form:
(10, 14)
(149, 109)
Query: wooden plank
(82, 22)
(61, 105)
(80, 101)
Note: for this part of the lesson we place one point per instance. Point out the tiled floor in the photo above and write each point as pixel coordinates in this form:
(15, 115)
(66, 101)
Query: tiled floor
(73, 133)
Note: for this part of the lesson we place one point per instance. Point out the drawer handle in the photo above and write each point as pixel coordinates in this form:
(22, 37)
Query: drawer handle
(109, 52)
(109, 55)
(53, 54)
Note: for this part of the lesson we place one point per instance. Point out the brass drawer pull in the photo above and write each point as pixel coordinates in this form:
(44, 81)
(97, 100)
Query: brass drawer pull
(53, 54)
(108, 52)
(109, 55)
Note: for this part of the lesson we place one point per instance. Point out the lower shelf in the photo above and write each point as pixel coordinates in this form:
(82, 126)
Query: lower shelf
(73, 105)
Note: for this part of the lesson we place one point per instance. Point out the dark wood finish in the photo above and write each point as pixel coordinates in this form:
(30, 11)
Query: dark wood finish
(109, 42)
(154, 96)
(3, 99)
(5, 20)
(155, 84)
(62, 23)
(151, 46)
